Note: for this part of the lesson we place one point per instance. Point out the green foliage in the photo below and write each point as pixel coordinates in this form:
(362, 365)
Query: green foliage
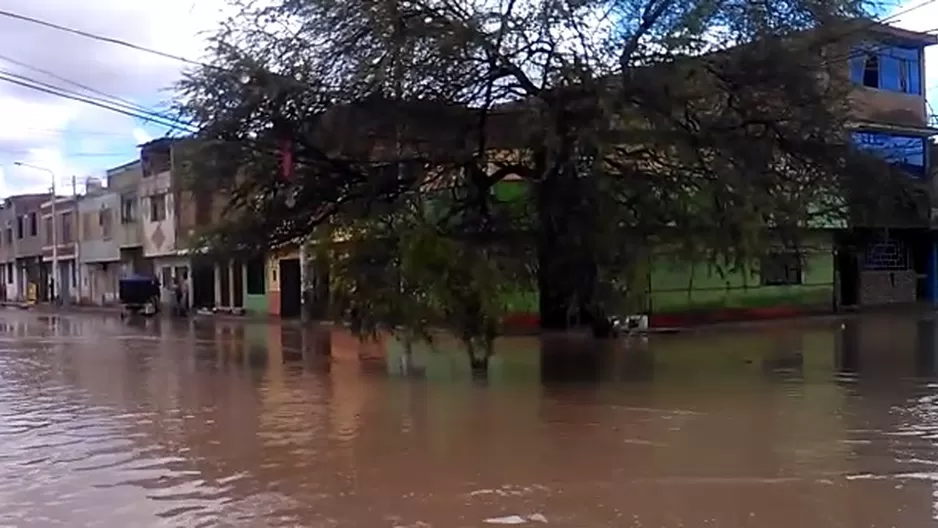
(694, 124)
(402, 275)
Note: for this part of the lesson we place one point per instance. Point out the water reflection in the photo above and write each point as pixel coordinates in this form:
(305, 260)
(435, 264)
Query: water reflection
(180, 423)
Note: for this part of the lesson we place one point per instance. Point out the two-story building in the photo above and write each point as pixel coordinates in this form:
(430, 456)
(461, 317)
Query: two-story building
(890, 260)
(869, 260)
(124, 181)
(111, 234)
(173, 215)
(21, 246)
(60, 249)
(7, 255)
(158, 214)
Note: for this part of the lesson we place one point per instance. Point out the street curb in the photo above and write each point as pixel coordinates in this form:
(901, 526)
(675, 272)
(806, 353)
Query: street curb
(116, 310)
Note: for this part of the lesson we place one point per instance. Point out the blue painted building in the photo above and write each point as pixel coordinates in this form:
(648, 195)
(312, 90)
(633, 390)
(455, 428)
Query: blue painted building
(895, 261)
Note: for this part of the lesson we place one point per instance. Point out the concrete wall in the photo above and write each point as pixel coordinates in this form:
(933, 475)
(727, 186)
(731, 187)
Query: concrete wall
(99, 244)
(256, 303)
(124, 181)
(125, 177)
(894, 108)
(66, 231)
(159, 236)
(677, 286)
(99, 283)
(273, 277)
(23, 207)
(8, 278)
(7, 221)
(879, 288)
(190, 216)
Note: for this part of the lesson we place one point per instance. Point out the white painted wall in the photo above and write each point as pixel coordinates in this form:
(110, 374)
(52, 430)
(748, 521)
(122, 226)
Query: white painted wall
(149, 187)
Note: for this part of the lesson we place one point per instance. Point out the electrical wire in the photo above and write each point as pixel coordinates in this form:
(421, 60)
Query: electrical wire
(145, 113)
(100, 38)
(124, 107)
(130, 111)
(77, 131)
(64, 79)
(67, 154)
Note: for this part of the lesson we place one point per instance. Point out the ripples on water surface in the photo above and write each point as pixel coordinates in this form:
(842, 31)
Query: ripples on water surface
(107, 425)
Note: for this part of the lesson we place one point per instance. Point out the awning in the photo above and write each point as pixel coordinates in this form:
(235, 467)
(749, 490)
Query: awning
(877, 126)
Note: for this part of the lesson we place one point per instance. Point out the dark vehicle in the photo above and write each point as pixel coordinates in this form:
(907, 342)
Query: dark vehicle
(139, 295)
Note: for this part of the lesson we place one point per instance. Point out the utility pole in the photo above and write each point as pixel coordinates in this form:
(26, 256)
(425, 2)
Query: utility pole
(55, 244)
(17, 280)
(76, 225)
(53, 236)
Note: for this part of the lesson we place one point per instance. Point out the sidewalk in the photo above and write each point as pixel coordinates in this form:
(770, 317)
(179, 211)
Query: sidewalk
(918, 311)
(47, 308)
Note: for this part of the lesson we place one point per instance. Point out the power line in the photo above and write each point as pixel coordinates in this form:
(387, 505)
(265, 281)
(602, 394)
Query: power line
(64, 79)
(121, 106)
(255, 145)
(101, 38)
(65, 154)
(107, 105)
(112, 98)
(77, 131)
(907, 10)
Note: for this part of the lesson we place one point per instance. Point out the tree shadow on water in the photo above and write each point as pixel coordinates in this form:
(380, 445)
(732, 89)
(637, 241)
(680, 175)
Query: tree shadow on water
(576, 359)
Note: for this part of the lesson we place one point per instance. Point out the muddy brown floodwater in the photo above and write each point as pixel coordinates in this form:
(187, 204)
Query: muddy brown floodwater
(104, 424)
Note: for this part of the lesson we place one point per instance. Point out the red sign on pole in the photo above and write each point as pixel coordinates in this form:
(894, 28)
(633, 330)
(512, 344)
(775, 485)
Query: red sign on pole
(286, 160)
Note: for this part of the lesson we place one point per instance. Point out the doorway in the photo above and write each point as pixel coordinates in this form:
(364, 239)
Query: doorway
(237, 279)
(224, 284)
(319, 300)
(290, 288)
(202, 286)
(848, 270)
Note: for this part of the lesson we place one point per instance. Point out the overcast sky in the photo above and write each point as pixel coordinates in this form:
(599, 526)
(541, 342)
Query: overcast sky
(72, 138)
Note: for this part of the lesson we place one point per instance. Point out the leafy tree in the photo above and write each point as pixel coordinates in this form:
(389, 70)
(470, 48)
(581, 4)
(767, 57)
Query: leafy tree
(710, 128)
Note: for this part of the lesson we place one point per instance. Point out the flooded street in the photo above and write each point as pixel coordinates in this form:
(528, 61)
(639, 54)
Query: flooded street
(105, 424)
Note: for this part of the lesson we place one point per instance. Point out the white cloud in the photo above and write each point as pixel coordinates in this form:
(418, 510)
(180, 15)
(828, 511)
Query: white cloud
(72, 138)
(141, 135)
(4, 190)
(924, 18)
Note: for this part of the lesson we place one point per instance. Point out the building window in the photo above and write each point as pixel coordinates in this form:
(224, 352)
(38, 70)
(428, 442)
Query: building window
(86, 233)
(10, 236)
(892, 68)
(203, 208)
(47, 225)
(166, 277)
(886, 255)
(255, 272)
(19, 227)
(781, 269)
(158, 207)
(33, 224)
(901, 151)
(128, 208)
(871, 71)
(10, 272)
(104, 222)
(68, 233)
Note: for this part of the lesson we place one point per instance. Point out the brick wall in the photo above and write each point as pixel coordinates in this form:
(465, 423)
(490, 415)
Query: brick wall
(879, 288)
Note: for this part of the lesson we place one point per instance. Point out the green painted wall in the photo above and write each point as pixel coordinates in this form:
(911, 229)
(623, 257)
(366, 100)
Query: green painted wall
(255, 304)
(675, 286)
(671, 288)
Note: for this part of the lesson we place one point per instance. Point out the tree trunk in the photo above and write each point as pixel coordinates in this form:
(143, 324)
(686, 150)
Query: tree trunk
(479, 363)
(567, 269)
